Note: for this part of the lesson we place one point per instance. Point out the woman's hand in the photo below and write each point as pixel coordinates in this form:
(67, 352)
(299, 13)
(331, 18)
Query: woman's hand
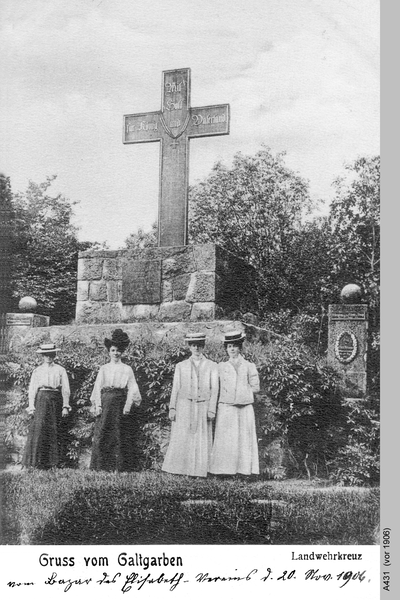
(172, 414)
(210, 415)
(30, 410)
(126, 410)
(97, 411)
(65, 411)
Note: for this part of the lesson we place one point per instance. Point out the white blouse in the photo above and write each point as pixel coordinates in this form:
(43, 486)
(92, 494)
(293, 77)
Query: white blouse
(117, 375)
(49, 375)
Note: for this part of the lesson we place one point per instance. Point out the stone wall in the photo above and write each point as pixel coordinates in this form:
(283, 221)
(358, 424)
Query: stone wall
(187, 283)
(29, 340)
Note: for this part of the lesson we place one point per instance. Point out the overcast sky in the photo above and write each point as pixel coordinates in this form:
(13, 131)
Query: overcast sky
(300, 75)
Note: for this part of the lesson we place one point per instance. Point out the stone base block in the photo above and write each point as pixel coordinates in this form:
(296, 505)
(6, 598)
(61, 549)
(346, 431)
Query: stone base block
(186, 283)
(26, 320)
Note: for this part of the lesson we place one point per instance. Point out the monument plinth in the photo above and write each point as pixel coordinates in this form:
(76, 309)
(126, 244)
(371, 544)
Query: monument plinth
(185, 283)
(348, 338)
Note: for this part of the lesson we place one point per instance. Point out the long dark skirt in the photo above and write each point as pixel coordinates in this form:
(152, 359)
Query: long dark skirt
(108, 440)
(43, 446)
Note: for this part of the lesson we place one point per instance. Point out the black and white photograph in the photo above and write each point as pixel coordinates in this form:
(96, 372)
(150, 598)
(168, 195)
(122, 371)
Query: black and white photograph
(190, 299)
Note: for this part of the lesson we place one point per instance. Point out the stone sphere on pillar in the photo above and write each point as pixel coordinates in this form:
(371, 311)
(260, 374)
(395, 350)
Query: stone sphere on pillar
(351, 294)
(27, 304)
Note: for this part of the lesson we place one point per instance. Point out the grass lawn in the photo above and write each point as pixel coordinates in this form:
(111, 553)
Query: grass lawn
(65, 506)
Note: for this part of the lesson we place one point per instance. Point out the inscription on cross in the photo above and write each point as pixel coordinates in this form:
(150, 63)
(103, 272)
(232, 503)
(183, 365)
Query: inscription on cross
(173, 126)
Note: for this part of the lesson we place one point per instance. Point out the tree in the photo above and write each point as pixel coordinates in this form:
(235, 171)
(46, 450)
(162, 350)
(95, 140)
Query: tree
(6, 220)
(355, 247)
(142, 239)
(355, 225)
(255, 210)
(45, 250)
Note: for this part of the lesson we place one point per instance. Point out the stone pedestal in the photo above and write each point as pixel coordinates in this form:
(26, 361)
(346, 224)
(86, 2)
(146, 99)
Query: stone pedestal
(17, 325)
(169, 284)
(23, 321)
(347, 343)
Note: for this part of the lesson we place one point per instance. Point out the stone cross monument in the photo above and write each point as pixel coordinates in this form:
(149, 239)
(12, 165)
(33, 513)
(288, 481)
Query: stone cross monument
(173, 126)
(174, 282)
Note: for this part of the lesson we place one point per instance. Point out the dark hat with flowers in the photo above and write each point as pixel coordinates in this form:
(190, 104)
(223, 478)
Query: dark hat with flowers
(119, 339)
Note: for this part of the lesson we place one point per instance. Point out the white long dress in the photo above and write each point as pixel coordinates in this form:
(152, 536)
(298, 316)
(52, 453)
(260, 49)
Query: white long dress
(194, 395)
(235, 448)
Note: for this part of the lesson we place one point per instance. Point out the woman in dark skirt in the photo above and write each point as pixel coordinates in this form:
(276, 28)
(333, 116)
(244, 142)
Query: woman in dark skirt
(48, 403)
(115, 391)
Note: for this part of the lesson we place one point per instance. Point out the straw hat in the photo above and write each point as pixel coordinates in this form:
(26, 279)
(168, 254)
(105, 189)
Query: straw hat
(194, 338)
(47, 349)
(234, 336)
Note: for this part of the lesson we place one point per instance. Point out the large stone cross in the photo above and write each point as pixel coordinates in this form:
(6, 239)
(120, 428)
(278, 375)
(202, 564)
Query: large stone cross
(173, 126)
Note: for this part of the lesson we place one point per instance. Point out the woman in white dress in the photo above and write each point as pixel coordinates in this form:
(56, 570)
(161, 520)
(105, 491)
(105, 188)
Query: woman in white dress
(235, 449)
(191, 411)
(49, 394)
(115, 391)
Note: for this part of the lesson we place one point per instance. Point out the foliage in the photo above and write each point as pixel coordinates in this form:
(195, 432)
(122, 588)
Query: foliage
(6, 218)
(255, 210)
(302, 328)
(45, 250)
(5, 193)
(300, 403)
(142, 239)
(63, 507)
(355, 224)
(300, 411)
(357, 463)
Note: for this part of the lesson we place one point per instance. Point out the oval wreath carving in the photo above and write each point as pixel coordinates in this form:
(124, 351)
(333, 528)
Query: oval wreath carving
(346, 347)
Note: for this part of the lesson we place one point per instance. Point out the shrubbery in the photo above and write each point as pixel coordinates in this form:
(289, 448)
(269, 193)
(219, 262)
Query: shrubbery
(304, 425)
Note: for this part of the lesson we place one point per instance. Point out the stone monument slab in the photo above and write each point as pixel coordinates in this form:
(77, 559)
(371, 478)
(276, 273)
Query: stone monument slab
(348, 343)
(141, 281)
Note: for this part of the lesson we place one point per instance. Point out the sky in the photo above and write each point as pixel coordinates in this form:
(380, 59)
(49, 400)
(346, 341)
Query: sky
(301, 76)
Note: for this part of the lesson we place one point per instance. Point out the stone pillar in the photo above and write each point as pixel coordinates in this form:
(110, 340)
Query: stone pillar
(348, 337)
(19, 323)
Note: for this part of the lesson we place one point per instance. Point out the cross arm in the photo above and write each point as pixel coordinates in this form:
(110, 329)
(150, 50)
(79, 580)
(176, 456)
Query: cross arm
(142, 127)
(209, 120)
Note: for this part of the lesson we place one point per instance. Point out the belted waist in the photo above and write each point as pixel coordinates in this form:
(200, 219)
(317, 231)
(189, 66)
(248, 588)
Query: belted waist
(196, 400)
(109, 389)
(51, 389)
(236, 403)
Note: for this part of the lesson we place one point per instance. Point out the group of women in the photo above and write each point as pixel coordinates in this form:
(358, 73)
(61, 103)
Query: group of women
(202, 392)
(211, 410)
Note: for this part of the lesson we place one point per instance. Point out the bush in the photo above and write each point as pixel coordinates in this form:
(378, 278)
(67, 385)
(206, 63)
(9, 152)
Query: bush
(303, 421)
(357, 462)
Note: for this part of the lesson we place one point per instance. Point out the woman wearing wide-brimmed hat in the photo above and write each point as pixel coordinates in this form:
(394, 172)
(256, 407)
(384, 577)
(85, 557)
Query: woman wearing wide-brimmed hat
(115, 391)
(235, 449)
(191, 411)
(48, 402)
